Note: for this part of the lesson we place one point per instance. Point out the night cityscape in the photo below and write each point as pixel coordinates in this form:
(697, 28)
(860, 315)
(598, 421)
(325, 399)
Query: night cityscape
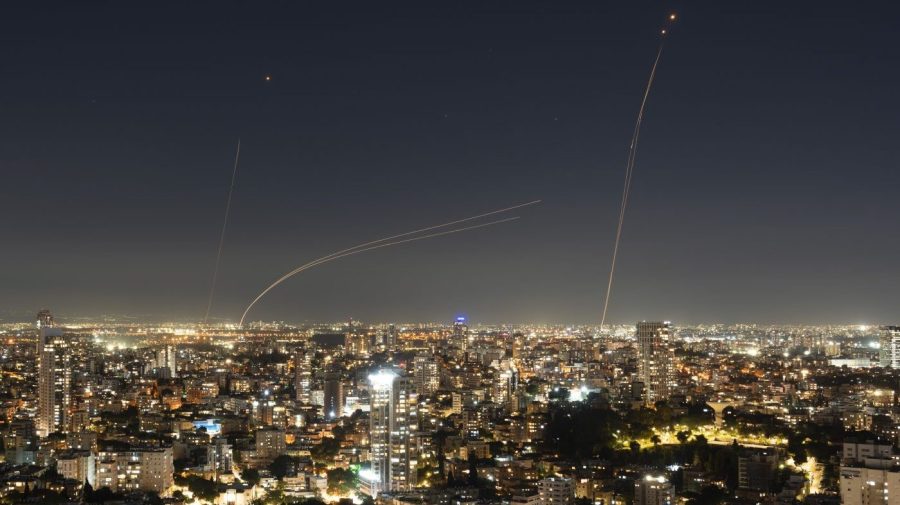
(538, 310)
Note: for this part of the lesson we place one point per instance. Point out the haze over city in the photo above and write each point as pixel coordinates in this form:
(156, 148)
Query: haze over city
(464, 253)
(763, 191)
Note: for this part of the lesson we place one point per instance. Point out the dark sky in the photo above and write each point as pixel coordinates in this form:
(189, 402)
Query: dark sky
(765, 189)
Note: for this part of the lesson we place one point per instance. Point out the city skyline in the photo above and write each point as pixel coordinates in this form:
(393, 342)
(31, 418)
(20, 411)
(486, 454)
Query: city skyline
(411, 253)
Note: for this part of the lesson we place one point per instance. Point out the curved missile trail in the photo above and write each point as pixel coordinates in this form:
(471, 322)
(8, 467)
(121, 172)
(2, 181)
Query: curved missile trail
(212, 287)
(486, 214)
(384, 242)
(629, 166)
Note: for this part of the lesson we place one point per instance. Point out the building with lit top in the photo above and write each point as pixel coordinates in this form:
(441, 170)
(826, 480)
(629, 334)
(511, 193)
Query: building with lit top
(653, 490)
(54, 378)
(391, 422)
(460, 338)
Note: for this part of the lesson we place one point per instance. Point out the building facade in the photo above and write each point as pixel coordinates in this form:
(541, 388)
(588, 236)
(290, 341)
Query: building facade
(655, 360)
(54, 380)
(392, 421)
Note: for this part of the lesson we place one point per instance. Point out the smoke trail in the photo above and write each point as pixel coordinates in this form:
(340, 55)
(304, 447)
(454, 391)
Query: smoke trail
(212, 287)
(368, 246)
(629, 168)
(491, 213)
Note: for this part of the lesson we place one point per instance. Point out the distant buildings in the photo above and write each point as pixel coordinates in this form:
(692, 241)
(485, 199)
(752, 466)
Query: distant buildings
(44, 319)
(655, 360)
(432, 424)
(165, 364)
(426, 375)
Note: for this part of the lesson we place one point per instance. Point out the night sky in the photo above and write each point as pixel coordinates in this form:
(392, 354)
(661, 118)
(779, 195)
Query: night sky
(766, 186)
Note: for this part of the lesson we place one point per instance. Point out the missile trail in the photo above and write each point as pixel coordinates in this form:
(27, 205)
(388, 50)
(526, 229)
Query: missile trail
(212, 287)
(491, 213)
(629, 166)
(384, 242)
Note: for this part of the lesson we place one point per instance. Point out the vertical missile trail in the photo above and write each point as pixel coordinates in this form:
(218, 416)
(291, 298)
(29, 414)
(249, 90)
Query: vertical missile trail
(629, 167)
(215, 275)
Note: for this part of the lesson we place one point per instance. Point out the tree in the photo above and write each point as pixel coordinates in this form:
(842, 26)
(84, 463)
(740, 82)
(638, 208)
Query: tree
(151, 498)
(202, 488)
(709, 495)
(102, 495)
(250, 476)
(326, 449)
(796, 449)
(683, 436)
(655, 439)
(283, 466)
(341, 481)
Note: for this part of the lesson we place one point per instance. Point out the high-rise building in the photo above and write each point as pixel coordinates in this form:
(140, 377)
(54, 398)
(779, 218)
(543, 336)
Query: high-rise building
(358, 341)
(425, 375)
(303, 375)
(165, 362)
(889, 355)
(653, 490)
(391, 337)
(460, 338)
(333, 396)
(44, 318)
(655, 360)
(54, 378)
(391, 423)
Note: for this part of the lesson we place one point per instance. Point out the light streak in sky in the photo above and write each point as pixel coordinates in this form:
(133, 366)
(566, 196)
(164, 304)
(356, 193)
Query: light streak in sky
(629, 165)
(212, 287)
(389, 241)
